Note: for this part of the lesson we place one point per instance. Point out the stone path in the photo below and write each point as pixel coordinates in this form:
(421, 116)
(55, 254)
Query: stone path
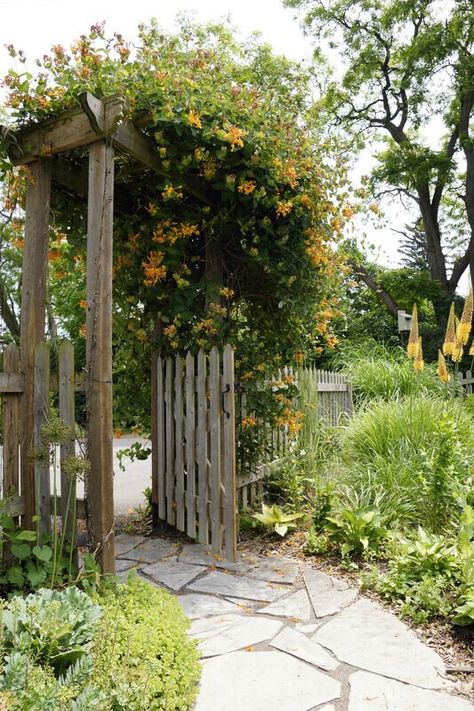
(275, 633)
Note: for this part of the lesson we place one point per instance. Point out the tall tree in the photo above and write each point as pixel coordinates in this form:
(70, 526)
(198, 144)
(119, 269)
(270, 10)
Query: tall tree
(408, 77)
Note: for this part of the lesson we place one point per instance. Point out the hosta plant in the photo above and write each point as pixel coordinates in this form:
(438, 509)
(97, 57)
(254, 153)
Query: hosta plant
(356, 531)
(274, 517)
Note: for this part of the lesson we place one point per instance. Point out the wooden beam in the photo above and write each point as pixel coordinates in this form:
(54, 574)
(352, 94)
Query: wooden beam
(33, 299)
(100, 492)
(41, 415)
(11, 383)
(15, 506)
(72, 129)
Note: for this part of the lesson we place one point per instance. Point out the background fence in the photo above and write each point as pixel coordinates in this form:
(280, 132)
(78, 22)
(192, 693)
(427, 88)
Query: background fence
(13, 489)
(329, 393)
(196, 483)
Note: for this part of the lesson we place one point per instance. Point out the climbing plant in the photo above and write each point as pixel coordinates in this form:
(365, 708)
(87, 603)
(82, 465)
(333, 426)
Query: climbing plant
(235, 238)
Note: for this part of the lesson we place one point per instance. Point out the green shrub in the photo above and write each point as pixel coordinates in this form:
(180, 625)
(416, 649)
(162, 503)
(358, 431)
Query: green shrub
(357, 532)
(46, 638)
(419, 450)
(50, 626)
(143, 657)
(379, 372)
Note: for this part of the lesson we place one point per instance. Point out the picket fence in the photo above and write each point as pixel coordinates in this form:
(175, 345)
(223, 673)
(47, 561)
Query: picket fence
(332, 393)
(196, 485)
(14, 491)
(193, 481)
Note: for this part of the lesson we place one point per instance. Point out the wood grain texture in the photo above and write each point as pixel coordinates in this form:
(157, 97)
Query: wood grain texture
(41, 417)
(67, 415)
(100, 491)
(11, 426)
(32, 324)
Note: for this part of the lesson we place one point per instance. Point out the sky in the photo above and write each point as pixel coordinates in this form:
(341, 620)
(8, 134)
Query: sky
(35, 25)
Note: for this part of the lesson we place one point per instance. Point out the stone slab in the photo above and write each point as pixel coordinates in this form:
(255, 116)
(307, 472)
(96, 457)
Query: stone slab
(295, 607)
(199, 554)
(306, 629)
(370, 692)
(327, 594)
(151, 550)
(172, 573)
(122, 565)
(126, 542)
(196, 606)
(261, 681)
(276, 570)
(366, 636)
(295, 643)
(228, 633)
(219, 583)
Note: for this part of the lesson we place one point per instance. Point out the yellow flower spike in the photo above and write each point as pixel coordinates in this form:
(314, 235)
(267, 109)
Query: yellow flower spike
(419, 363)
(471, 350)
(442, 370)
(458, 352)
(413, 339)
(464, 328)
(450, 336)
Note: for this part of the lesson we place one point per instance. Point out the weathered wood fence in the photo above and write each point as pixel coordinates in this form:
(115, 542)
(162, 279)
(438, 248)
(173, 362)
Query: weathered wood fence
(331, 393)
(467, 381)
(196, 421)
(14, 491)
(193, 482)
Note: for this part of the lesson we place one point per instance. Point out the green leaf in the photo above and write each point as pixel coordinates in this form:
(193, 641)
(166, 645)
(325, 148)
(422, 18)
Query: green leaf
(15, 576)
(44, 553)
(35, 577)
(21, 550)
(281, 529)
(26, 536)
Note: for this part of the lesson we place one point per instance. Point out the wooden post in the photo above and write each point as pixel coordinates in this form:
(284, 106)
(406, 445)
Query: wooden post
(100, 482)
(67, 415)
(11, 427)
(230, 503)
(41, 414)
(215, 447)
(33, 299)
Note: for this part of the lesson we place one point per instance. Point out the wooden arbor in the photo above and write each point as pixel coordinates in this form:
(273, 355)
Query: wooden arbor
(101, 128)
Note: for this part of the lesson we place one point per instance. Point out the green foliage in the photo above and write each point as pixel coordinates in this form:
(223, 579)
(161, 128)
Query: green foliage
(45, 652)
(420, 449)
(274, 517)
(50, 626)
(430, 575)
(381, 372)
(357, 532)
(143, 657)
(138, 450)
(400, 60)
(247, 182)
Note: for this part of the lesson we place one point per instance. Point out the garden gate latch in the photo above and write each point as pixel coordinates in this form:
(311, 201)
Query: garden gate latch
(237, 388)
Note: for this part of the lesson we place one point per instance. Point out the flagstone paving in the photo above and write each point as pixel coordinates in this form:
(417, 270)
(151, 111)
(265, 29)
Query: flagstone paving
(275, 633)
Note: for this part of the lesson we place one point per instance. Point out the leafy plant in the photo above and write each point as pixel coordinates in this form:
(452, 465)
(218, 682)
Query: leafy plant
(274, 517)
(356, 531)
(143, 657)
(419, 450)
(51, 626)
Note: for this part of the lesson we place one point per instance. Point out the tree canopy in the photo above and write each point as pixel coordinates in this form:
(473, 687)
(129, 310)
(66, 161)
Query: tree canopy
(234, 239)
(408, 77)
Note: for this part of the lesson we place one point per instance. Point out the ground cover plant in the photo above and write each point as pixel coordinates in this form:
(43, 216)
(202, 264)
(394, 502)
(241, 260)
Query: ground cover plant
(123, 648)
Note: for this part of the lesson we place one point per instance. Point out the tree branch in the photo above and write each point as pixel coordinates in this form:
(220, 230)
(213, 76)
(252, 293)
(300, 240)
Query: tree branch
(381, 293)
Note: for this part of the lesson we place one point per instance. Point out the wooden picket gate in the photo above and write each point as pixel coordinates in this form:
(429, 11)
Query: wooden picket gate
(193, 437)
(14, 491)
(195, 484)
